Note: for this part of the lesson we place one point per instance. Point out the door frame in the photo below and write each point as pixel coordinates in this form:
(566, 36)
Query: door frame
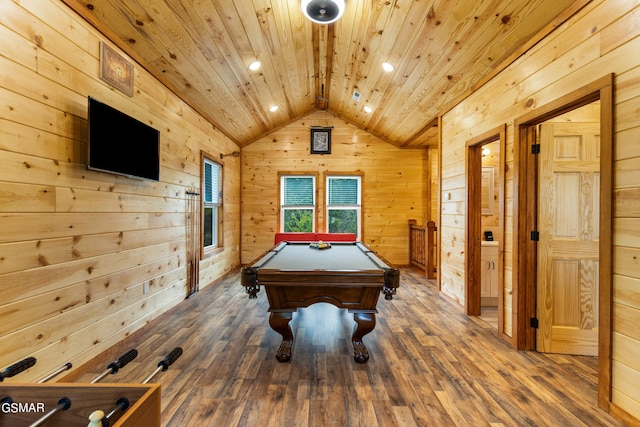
(525, 205)
(473, 240)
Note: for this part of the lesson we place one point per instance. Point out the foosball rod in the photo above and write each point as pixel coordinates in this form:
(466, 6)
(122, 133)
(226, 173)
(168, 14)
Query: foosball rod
(121, 405)
(164, 364)
(55, 372)
(17, 367)
(63, 405)
(99, 419)
(117, 364)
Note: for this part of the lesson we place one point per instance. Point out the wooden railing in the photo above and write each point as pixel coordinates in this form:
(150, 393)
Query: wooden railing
(422, 247)
(417, 245)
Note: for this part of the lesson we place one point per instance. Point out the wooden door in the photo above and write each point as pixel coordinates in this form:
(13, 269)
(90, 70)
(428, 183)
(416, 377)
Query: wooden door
(568, 223)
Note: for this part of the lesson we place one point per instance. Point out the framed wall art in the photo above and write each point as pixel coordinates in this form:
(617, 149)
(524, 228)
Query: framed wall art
(320, 140)
(115, 69)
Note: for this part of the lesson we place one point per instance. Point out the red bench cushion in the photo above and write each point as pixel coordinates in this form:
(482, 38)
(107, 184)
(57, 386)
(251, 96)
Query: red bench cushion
(294, 237)
(336, 237)
(314, 237)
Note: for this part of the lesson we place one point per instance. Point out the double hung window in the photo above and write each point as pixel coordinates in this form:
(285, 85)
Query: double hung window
(297, 203)
(344, 204)
(211, 204)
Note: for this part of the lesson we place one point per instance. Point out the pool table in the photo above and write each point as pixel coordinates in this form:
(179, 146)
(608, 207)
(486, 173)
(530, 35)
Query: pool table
(348, 275)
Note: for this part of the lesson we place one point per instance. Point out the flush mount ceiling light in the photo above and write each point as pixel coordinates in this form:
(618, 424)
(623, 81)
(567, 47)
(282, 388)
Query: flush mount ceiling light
(387, 66)
(323, 11)
(255, 65)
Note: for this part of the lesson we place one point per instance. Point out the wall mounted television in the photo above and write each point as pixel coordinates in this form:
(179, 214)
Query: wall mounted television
(121, 144)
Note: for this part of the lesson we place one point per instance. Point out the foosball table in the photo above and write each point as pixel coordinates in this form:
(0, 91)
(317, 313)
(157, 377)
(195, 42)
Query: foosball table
(67, 405)
(82, 404)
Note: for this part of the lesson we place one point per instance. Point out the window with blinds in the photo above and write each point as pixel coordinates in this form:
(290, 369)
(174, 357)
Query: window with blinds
(211, 204)
(344, 204)
(297, 203)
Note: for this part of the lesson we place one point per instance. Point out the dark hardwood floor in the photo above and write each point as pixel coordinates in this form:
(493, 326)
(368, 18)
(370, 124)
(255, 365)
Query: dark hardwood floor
(430, 365)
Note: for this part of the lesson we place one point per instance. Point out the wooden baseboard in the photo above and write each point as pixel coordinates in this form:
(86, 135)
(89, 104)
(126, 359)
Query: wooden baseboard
(489, 301)
(623, 415)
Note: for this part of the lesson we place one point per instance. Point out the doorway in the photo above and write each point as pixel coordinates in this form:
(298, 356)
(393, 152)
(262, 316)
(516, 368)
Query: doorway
(484, 242)
(527, 224)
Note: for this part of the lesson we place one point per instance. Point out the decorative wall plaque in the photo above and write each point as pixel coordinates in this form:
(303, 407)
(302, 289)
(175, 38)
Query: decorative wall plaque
(115, 69)
(320, 140)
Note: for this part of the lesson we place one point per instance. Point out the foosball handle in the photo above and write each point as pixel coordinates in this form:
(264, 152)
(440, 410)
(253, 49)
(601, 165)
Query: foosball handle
(17, 367)
(122, 361)
(170, 358)
(114, 366)
(164, 364)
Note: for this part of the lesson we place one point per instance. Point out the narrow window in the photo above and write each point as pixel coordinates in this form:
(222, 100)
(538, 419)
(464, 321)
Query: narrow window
(211, 204)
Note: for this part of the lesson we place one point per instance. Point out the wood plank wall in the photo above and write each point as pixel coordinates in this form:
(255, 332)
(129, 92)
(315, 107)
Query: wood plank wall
(78, 247)
(602, 38)
(395, 183)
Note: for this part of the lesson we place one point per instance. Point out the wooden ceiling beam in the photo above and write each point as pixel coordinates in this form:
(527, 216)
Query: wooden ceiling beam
(322, 61)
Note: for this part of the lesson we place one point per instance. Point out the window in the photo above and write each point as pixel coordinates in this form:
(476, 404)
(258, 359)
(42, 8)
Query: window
(211, 204)
(344, 204)
(297, 203)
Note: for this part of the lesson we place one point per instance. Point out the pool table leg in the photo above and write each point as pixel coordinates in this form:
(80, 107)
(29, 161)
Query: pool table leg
(279, 322)
(365, 322)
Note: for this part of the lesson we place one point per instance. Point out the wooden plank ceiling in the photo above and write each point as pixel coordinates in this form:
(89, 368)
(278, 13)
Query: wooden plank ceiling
(440, 50)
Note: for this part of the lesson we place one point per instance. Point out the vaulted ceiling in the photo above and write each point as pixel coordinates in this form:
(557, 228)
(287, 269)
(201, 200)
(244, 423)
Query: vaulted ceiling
(440, 50)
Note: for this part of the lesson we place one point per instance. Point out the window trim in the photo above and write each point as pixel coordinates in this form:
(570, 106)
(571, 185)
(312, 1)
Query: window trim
(360, 176)
(207, 252)
(302, 174)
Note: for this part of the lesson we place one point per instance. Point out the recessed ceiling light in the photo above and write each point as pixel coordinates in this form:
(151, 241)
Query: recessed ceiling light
(255, 65)
(368, 109)
(273, 108)
(387, 66)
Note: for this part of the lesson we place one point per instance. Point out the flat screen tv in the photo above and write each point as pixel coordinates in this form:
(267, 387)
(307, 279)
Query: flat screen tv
(121, 144)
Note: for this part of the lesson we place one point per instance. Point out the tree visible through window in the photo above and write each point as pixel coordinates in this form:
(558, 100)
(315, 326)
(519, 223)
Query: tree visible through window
(297, 199)
(343, 204)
